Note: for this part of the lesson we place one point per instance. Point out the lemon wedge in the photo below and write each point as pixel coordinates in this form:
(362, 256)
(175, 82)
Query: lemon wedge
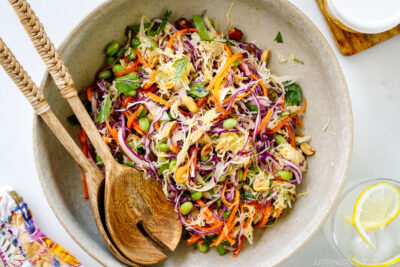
(376, 207)
(383, 264)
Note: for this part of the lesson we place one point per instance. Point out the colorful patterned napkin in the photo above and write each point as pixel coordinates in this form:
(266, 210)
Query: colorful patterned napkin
(22, 243)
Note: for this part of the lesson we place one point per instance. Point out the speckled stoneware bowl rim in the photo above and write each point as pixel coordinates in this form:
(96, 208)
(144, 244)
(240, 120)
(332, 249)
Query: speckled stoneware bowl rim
(58, 211)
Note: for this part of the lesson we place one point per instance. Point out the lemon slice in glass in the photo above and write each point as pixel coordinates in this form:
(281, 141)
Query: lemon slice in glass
(383, 264)
(376, 206)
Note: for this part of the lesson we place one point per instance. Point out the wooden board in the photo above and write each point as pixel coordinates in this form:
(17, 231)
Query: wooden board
(350, 43)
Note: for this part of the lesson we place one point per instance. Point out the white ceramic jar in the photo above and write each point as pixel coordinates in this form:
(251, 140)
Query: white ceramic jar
(365, 16)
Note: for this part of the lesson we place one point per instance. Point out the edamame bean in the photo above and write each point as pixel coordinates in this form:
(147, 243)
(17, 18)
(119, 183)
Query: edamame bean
(172, 164)
(117, 68)
(142, 113)
(135, 43)
(144, 124)
(163, 147)
(280, 139)
(106, 74)
(202, 247)
(130, 53)
(153, 45)
(196, 195)
(99, 161)
(112, 49)
(240, 175)
(140, 149)
(120, 52)
(130, 164)
(223, 178)
(162, 169)
(131, 93)
(205, 157)
(110, 60)
(220, 249)
(285, 175)
(162, 160)
(186, 207)
(230, 123)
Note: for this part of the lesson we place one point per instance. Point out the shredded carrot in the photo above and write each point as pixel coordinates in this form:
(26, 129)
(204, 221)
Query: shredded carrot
(107, 140)
(201, 101)
(225, 230)
(228, 51)
(159, 99)
(126, 101)
(209, 215)
(291, 135)
(133, 116)
(171, 40)
(280, 125)
(141, 59)
(299, 122)
(236, 253)
(193, 239)
(238, 97)
(283, 102)
(303, 109)
(266, 213)
(174, 149)
(265, 121)
(278, 212)
(200, 242)
(137, 128)
(113, 132)
(223, 197)
(246, 170)
(83, 139)
(260, 83)
(224, 68)
(85, 189)
(216, 225)
(240, 78)
(151, 81)
(89, 93)
(133, 66)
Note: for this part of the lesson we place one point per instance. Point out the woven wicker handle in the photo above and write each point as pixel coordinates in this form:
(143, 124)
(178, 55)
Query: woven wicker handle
(22, 80)
(39, 104)
(60, 74)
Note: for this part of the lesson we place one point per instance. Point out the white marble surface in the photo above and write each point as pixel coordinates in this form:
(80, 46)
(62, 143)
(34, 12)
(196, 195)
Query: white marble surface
(373, 78)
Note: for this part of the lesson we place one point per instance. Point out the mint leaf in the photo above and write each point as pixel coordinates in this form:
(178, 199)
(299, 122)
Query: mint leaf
(180, 65)
(278, 38)
(197, 90)
(105, 109)
(128, 84)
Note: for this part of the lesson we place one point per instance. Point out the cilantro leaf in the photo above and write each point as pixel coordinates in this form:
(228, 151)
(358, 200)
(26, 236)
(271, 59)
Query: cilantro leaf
(278, 38)
(201, 27)
(197, 90)
(298, 61)
(293, 94)
(105, 109)
(180, 65)
(164, 21)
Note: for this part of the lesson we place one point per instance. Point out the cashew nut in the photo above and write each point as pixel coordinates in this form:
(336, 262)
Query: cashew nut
(196, 135)
(265, 55)
(190, 104)
(169, 128)
(261, 186)
(307, 149)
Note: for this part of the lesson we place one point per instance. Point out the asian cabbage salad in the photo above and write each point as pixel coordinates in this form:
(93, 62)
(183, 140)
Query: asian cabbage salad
(203, 114)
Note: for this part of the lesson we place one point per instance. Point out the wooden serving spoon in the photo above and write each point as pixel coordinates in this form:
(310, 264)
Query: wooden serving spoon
(94, 177)
(130, 200)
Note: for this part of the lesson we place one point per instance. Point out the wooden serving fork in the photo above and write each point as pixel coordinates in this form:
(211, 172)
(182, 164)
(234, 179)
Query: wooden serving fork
(130, 200)
(94, 177)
